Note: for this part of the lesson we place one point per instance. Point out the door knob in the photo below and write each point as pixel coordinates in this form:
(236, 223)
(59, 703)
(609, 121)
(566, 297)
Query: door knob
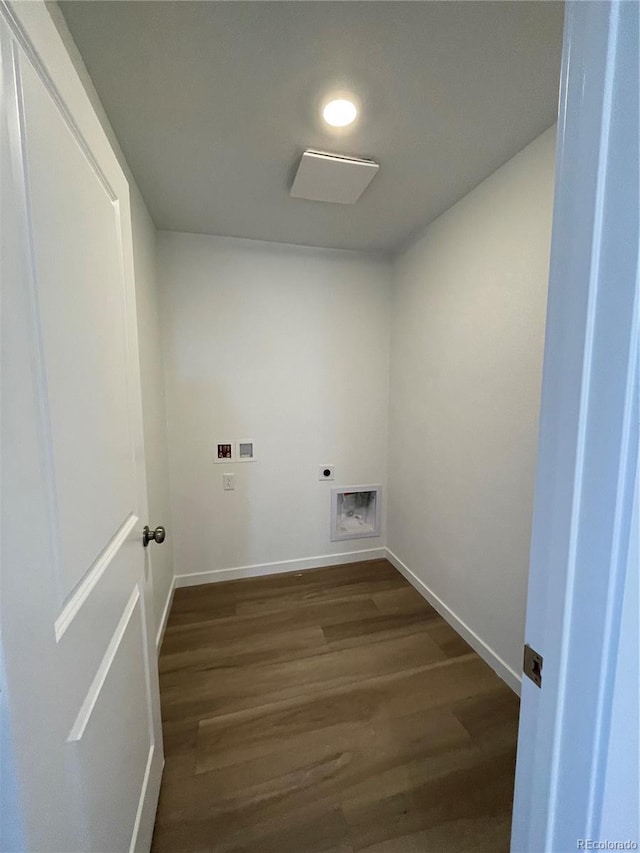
(156, 535)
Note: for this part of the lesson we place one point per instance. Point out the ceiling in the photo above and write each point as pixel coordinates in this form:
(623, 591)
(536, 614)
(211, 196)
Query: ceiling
(213, 104)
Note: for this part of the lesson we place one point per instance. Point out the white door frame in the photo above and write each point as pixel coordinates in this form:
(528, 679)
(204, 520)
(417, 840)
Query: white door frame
(588, 450)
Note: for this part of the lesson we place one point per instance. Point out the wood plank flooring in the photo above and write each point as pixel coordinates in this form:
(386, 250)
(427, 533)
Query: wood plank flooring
(329, 711)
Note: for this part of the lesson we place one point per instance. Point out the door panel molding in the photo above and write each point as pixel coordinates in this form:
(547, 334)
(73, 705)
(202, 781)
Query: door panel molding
(32, 55)
(115, 769)
(80, 282)
(142, 803)
(16, 117)
(84, 714)
(92, 577)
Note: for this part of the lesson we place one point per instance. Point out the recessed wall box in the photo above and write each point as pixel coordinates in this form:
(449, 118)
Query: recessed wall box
(245, 450)
(332, 177)
(355, 512)
(223, 451)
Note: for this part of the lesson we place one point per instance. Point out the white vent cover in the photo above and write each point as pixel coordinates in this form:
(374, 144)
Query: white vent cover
(332, 177)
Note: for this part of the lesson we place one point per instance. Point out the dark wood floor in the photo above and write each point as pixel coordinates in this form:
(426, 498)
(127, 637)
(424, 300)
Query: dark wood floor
(331, 710)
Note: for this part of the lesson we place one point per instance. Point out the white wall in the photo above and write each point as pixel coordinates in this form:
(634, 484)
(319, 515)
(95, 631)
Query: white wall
(468, 315)
(290, 347)
(153, 401)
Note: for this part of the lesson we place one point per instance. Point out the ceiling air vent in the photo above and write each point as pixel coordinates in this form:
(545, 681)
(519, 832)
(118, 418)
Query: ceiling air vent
(332, 177)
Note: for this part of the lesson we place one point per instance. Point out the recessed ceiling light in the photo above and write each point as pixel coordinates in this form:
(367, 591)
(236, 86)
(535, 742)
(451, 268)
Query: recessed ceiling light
(340, 113)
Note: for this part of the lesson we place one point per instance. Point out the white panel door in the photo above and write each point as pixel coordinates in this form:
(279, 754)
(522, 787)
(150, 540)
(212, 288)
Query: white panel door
(80, 675)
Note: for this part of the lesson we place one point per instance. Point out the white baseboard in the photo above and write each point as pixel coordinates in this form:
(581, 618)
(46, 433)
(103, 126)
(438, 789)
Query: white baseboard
(218, 575)
(508, 675)
(165, 616)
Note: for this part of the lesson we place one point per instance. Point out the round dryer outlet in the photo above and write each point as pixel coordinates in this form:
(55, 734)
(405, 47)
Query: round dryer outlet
(326, 472)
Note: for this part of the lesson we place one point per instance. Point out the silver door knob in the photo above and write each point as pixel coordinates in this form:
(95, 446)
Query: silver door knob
(156, 535)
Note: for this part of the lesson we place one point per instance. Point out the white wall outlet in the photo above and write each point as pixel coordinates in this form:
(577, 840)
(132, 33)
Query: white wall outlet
(327, 472)
(228, 482)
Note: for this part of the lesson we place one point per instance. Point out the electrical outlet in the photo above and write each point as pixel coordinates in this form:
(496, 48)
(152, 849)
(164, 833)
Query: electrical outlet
(228, 482)
(326, 472)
